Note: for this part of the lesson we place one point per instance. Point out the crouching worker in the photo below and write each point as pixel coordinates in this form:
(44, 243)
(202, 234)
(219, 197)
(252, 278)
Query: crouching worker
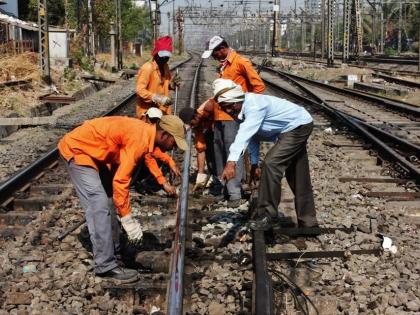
(100, 156)
(148, 175)
(289, 126)
(201, 122)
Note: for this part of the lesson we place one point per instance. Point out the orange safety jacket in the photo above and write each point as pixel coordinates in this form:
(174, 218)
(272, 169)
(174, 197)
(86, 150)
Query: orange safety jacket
(149, 82)
(118, 142)
(240, 70)
(206, 120)
(152, 165)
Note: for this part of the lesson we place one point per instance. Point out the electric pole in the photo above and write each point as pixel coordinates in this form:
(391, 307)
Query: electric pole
(322, 28)
(44, 45)
(180, 21)
(400, 26)
(91, 35)
(330, 38)
(274, 45)
(346, 29)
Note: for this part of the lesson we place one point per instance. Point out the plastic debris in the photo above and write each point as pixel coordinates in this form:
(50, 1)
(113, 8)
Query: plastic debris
(29, 268)
(328, 130)
(357, 196)
(387, 245)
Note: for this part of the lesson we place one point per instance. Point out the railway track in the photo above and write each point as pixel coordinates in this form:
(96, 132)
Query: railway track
(206, 261)
(174, 238)
(387, 121)
(374, 66)
(370, 59)
(286, 278)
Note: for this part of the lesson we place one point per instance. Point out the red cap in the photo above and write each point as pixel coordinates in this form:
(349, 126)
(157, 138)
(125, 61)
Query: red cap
(163, 44)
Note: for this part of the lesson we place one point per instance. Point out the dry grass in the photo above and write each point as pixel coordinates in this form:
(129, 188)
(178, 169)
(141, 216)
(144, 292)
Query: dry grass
(19, 100)
(19, 67)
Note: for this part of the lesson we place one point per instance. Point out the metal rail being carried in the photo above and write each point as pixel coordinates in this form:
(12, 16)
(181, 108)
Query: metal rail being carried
(176, 269)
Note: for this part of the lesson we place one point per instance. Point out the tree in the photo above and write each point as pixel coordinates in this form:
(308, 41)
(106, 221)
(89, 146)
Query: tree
(134, 20)
(28, 10)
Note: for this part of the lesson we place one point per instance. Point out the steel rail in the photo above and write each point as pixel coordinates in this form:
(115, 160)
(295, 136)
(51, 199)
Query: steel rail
(375, 59)
(395, 105)
(175, 294)
(389, 78)
(381, 146)
(19, 179)
(311, 59)
(383, 97)
(263, 290)
(360, 127)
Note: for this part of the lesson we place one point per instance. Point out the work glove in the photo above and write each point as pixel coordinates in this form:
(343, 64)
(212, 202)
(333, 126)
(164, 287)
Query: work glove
(132, 227)
(170, 190)
(162, 99)
(200, 182)
(175, 82)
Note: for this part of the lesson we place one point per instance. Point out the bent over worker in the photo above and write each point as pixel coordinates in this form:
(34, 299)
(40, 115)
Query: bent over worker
(286, 124)
(100, 156)
(154, 80)
(200, 120)
(235, 67)
(153, 116)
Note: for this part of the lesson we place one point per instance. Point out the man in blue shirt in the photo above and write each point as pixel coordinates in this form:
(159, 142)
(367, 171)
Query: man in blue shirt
(264, 117)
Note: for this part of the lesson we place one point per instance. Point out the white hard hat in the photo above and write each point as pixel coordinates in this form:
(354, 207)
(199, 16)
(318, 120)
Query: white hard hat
(154, 112)
(213, 43)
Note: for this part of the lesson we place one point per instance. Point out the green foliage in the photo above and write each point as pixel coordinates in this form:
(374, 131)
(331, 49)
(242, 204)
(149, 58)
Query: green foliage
(69, 74)
(29, 11)
(87, 64)
(134, 20)
(391, 52)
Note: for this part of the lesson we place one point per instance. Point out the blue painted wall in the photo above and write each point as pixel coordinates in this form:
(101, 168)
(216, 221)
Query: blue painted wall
(11, 7)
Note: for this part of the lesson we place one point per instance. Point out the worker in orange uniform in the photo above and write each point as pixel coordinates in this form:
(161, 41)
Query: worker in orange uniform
(154, 80)
(153, 116)
(201, 122)
(100, 156)
(238, 69)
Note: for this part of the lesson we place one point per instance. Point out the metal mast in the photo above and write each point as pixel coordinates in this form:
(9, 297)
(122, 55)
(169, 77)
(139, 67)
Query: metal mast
(274, 45)
(330, 36)
(359, 43)
(346, 30)
(44, 52)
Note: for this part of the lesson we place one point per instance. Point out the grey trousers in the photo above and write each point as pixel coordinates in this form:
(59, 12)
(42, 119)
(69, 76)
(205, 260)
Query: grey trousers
(224, 135)
(95, 193)
(288, 157)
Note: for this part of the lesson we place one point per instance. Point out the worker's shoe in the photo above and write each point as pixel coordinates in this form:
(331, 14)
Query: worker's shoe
(120, 275)
(263, 223)
(311, 224)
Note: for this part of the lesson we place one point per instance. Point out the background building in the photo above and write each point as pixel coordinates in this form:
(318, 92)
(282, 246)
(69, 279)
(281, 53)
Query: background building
(10, 7)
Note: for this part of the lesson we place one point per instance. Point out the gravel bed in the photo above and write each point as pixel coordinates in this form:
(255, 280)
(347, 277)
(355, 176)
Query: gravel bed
(27, 144)
(39, 275)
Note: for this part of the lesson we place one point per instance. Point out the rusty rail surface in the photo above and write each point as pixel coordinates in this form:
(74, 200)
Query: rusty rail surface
(176, 271)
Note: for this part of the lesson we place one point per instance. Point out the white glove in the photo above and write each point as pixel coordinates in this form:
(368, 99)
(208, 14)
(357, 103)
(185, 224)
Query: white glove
(132, 227)
(161, 99)
(200, 181)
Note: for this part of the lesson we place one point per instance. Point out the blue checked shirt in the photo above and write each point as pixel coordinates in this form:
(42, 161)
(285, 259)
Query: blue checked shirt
(264, 117)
